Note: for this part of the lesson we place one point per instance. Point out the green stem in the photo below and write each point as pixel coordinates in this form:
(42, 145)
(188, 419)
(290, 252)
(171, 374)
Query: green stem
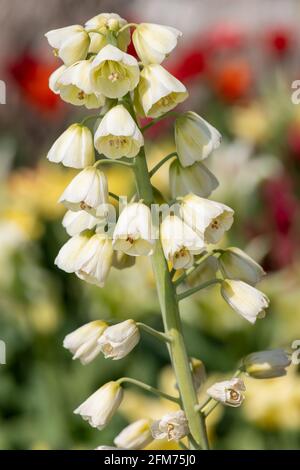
(157, 334)
(148, 388)
(170, 313)
(114, 196)
(89, 118)
(107, 161)
(197, 288)
(160, 118)
(128, 25)
(161, 163)
(193, 268)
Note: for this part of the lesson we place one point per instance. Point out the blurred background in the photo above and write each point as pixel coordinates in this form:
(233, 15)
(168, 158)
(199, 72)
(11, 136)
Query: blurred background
(238, 59)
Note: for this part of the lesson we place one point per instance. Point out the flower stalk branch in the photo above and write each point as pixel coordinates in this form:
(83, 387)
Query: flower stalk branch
(148, 388)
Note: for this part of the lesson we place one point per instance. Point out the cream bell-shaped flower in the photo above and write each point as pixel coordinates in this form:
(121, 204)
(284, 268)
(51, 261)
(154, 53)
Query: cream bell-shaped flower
(158, 91)
(75, 87)
(100, 407)
(196, 179)
(77, 222)
(54, 78)
(103, 24)
(118, 135)
(70, 43)
(114, 73)
(74, 148)
(133, 233)
(119, 340)
(236, 264)
(173, 427)
(266, 364)
(87, 191)
(180, 243)
(195, 138)
(108, 448)
(228, 392)
(247, 301)
(83, 342)
(135, 436)
(69, 253)
(153, 42)
(95, 260)
(209, 218)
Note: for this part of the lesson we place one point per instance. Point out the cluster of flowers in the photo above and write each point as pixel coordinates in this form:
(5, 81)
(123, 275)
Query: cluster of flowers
(97, 72)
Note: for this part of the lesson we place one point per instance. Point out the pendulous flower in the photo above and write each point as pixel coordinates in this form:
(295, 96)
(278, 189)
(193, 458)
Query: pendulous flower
(195, 138)
(135, 436)
(247, 301)
(70, 43)
(95, 260)
(100, 407)
(83, 342)
(236, 264)
(153, 42)
(173, 427)
(69, 253)
(196, 179)
(118, 135)
(77, 222)
(101, 25)
(266, 364)
(74, 148)
(119, 340)
(228, 392)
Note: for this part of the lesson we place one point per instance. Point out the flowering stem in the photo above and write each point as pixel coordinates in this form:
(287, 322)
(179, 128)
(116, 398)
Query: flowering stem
(149, 388)
(109, 161)
(191, 269)
(161, 163)
(128, 25)
(170, 312)
(160, 118)
(114, 196)
(157, 334)
(91, 117)
(197, 288)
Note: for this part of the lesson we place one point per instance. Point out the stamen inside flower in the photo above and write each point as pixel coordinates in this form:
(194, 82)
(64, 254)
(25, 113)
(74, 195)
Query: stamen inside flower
(215, 224)
(130, 239)
(181, 253)
(170, 428)
(84, 206)
(81, 95)
(117, 142)
(113, 77)
(234, 395)
(107, 348)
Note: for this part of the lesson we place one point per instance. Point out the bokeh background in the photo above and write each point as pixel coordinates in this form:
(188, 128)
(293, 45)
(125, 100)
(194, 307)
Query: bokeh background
(238, 59)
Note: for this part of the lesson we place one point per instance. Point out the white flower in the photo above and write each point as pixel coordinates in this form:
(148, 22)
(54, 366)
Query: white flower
(104, 23)
(87, 191)
(133, 231)
(266, 364)
(195, 138)
(236, 264)
(74, 85)
(180, 243)
(118, 135)
(119, 340)
(95, 260)
(153, 42)
(196, 179)
(173, 426)
(108, 448)
(54, 83)
(83, 342)
(100, 407)
(228, 392)
(158, 91)
(69, 253)
(114, 73)
(247, 301)
(70, 43)
(209, 218)
(77, 222)
(74, 148)
(135, 436)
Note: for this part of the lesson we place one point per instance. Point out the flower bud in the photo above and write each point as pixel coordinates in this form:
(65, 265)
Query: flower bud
(135, 436)
(247, 301)
(236, 264)
(70, 44)
(266, 364)
(114, 73)
(153, 42)
(118, 135)
(95, 260)
(180, 243)
(119, 340)
(69, 253)
(104, 23)
(87, 191)
(173, 427)
(74, 148)
(195, 138)
(158, 91)
(133, 231)
(228, 392)
(83, 342)
(196, 179)
(209, 218)
(74, 85)
(100, 407)
(77, 222)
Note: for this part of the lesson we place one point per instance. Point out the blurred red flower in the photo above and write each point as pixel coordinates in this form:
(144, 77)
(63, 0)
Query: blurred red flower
(232, 79)
(279, 40)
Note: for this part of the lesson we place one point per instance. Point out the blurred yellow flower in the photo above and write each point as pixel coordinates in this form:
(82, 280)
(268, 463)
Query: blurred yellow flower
(250, 123)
